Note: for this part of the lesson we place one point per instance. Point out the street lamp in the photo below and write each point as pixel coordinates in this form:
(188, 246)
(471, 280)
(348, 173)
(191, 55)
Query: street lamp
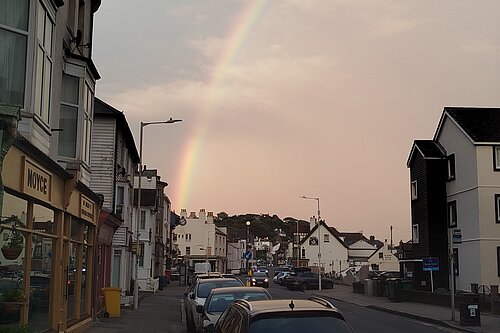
(319, 239)
(138, 213)
(248, 242)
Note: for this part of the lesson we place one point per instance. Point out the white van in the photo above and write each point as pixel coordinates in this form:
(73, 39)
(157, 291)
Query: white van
(202, 267)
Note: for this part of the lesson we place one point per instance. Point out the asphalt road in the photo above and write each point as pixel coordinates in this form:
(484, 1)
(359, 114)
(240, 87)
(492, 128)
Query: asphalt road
(365, 320)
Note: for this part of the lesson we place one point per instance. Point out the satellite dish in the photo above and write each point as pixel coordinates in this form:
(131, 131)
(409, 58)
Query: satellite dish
(182, 221)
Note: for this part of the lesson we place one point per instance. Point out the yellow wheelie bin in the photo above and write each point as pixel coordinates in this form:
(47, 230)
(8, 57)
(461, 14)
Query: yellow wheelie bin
(112, 301)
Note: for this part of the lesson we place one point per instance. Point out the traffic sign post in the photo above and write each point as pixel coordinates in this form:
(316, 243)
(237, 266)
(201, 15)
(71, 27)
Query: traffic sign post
(431, 265)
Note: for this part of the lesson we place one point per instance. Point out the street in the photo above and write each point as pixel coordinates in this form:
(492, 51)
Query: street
(163, 312)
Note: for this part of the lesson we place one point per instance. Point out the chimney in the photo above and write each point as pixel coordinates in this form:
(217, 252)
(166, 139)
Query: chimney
(192, 215)
(203, 215)
(210, 217)
(372, 239)
(183, 213)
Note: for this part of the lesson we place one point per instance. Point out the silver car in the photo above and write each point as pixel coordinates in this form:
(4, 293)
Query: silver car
(197, 294)
(220, 298)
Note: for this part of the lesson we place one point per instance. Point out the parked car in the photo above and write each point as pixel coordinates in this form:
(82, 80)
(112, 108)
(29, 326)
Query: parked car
(260, 279)
(197, 294)
(314, 315)
(277, 276)
(307, 281)
(281, 280)
(280, 269)
(220, 298)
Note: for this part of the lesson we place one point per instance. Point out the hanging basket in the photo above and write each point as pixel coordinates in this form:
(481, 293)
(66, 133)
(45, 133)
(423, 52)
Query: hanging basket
(11, 253)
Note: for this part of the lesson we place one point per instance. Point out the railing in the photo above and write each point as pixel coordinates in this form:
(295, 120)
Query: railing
(149, 284)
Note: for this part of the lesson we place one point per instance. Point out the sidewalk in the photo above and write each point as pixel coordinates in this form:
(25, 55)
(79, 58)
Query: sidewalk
(160, 312)
(423, 312)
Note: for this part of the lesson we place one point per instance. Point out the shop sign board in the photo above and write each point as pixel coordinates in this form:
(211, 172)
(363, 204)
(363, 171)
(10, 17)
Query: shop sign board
(36, 181)
(87, 209)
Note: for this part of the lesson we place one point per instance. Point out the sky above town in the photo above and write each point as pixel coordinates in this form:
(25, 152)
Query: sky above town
(285, 98)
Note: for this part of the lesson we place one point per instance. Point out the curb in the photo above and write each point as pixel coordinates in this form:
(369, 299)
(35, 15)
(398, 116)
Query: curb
(438, 322)
(419, 318)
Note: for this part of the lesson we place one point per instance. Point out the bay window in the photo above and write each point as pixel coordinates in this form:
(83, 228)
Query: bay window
(14, 37)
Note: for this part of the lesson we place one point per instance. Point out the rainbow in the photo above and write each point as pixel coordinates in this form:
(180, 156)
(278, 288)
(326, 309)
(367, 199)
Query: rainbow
(238, 33)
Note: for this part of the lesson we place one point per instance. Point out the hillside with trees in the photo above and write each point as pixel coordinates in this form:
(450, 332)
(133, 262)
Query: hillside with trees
(261, 225)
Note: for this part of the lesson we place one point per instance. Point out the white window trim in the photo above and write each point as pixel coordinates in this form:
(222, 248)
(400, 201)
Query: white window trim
(414, 190)
(415, 235)
(84, 82)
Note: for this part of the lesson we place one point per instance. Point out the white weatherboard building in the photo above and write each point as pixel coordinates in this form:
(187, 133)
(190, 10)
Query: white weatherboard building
(334, 253)
(384, 260)
(200, 240)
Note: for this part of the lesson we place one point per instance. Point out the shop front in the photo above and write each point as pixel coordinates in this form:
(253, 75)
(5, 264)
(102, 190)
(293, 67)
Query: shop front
(47, 237)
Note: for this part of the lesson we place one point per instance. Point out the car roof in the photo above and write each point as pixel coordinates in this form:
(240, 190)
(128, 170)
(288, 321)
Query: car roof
(228, 290)
(285, 305)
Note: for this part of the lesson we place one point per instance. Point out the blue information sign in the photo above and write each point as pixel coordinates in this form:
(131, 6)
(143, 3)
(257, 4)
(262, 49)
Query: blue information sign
(430, 264)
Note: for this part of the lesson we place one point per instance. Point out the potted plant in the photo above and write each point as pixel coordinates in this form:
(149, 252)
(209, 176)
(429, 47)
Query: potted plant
(14, 245)
(13, 300)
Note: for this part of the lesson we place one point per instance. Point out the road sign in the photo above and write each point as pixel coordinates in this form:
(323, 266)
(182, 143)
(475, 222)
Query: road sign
(248, 255)
(430, 264)
(457, 236)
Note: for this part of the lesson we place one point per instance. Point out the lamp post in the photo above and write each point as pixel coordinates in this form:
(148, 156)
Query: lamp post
(138, 213)
(319, 238)
(298, 245)
(248, 242)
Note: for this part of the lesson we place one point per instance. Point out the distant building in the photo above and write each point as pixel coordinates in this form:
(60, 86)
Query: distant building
(200, 240)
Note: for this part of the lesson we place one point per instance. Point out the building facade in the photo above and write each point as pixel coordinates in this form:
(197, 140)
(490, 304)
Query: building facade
(48, 212)
(200, 240)
(469, 139)
(114, 158)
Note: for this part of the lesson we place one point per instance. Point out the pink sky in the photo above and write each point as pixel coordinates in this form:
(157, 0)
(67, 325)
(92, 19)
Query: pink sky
(294, 97)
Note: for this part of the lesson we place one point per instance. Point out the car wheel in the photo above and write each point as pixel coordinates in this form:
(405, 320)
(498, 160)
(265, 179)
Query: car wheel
(329, 285)
(304, 286)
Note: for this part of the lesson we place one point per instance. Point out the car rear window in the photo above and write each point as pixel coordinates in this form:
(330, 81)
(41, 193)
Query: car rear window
(205, 288)
(309, 322)
(219, 302)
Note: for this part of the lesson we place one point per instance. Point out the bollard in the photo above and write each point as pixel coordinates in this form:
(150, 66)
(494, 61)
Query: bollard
(474, 288)
(495, 299)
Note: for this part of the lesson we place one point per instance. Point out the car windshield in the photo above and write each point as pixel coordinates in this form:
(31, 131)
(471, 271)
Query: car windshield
(293, 322)
(205, 288)
(259, 274)
(219, 303)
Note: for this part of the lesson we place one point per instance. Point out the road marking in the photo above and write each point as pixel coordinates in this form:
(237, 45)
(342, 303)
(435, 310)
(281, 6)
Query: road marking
(183, 313)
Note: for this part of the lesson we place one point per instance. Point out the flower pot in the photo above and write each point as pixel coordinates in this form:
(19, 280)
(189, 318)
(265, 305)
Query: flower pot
(11, 253)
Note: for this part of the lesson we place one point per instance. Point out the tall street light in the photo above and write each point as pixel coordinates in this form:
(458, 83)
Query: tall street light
(319, 239)
(138, 213)
(248, 242)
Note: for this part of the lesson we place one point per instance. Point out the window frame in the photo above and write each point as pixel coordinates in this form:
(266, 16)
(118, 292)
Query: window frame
(498, 260)
(85, 106)
(451, 167)
(496, 158)
(414, 190)
(415, 234)
(452, 212)
(497, 208)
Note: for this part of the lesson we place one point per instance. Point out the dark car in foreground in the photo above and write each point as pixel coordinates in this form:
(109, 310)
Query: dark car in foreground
(307, 281)
(220, 298)
(314, 315)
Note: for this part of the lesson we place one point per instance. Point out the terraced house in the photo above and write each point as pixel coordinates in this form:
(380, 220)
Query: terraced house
(48, 213)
